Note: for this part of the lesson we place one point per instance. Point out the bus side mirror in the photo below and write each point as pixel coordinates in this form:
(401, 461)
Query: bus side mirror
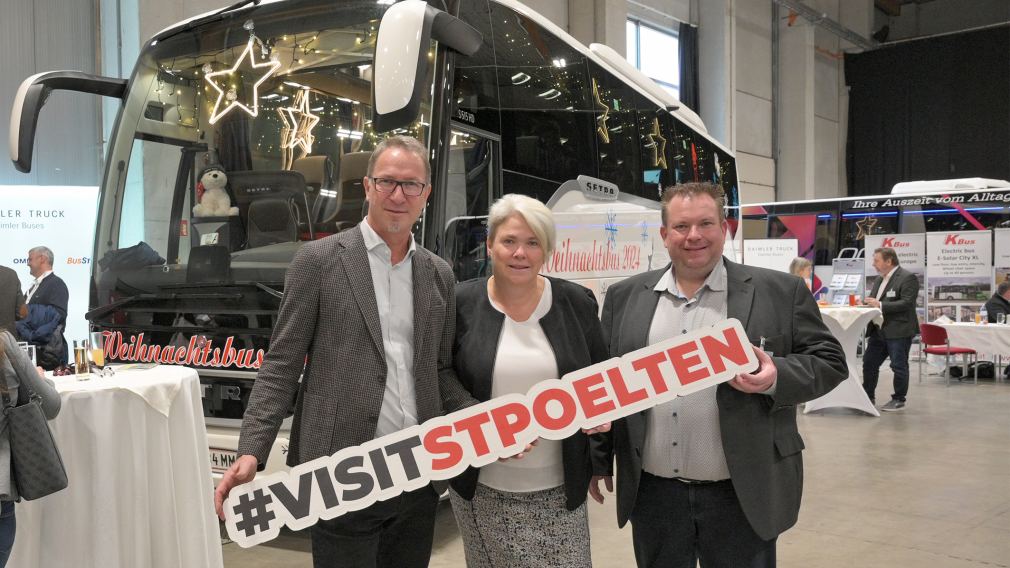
(401, 58)
(32, 95)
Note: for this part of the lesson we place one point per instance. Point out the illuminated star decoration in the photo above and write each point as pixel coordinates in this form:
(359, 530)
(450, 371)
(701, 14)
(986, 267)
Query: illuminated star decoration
(601, 121)
(865, 226)
(658, 145)
(301, 124)
(225, 83)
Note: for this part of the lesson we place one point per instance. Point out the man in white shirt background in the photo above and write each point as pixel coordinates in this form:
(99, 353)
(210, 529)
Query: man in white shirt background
(894, 293)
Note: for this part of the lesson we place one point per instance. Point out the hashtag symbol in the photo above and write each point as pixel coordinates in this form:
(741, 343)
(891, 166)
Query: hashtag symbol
(252, 512)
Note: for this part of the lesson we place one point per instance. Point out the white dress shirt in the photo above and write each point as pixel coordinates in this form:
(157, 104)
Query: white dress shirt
(35, 285)
(394, 296)
(883, 282)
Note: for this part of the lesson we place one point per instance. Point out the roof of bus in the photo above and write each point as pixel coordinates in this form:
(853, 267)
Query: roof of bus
(550, 26)
(901, 196)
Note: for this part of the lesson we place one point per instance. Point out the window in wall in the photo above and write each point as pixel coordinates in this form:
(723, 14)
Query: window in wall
(656, 53)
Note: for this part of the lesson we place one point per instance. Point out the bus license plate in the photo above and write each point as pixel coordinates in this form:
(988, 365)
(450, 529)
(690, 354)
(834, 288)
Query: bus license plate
(221, 459)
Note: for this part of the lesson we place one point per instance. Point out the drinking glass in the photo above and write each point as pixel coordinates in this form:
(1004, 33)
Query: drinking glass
(96, 352)
(1001, 319)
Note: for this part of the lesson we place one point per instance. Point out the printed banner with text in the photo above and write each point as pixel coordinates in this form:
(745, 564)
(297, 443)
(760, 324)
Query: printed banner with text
(444, 447)
(959, 273)
(911, 251)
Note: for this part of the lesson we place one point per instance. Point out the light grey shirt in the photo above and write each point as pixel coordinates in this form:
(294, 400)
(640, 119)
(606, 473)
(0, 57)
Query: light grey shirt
(394, 296)
(682, 436)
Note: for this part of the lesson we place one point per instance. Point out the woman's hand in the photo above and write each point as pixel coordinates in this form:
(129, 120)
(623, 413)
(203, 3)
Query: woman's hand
(40, 371)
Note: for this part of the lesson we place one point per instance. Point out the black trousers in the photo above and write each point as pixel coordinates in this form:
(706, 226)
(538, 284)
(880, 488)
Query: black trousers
(390, 534)
(677, 525)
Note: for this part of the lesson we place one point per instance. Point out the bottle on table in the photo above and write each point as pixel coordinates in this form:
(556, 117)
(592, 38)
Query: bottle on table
(983, 316)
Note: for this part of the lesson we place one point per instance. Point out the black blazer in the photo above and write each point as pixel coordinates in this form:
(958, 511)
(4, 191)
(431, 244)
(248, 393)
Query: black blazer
(573, 330)
(53, 291)
(759, 435)
(900, 319)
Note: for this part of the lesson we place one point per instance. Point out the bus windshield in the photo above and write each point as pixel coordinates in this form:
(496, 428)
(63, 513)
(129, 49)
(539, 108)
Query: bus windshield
(265, 107)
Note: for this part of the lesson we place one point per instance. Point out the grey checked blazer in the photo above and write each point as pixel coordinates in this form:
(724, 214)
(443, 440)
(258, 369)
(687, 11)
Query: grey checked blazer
(329, 313)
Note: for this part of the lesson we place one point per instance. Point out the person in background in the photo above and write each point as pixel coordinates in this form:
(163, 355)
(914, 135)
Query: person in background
(894, 292)
(717, 475)
(16, 370)
(48, 289)
(804, 269)
(514, 329)
(12, 301)
(999, 303)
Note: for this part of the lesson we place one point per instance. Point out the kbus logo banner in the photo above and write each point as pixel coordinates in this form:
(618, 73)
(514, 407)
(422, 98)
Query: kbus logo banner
(444, 447)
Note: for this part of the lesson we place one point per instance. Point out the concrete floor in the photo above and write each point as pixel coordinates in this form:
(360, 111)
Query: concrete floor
(925, 487)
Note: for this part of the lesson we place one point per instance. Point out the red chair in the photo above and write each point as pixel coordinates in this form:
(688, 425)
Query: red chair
(935, 340)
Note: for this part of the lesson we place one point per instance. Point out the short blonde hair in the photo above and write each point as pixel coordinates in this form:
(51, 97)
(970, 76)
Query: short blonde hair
(536, 214)
(798, 265)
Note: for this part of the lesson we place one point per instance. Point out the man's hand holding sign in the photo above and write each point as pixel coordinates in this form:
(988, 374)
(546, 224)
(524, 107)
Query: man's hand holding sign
(443, 447)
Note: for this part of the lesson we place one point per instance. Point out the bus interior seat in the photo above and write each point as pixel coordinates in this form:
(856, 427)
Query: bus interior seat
(252, 186)
(272, 220)
(353, 167)
(318, 174)
(208, 264)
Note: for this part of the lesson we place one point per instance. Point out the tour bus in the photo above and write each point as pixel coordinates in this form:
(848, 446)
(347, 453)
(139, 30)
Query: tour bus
(827, 229)
(287, 99)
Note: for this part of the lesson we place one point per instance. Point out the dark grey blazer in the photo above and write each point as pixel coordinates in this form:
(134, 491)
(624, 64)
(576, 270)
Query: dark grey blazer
(759, 432)
(329, 314)
(11, 299)
(900, 319)
(572, 328)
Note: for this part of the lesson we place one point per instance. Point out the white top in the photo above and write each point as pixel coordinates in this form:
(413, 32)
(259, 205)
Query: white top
(683, 437)
(394, 296)
(35, 285)
(525, 358)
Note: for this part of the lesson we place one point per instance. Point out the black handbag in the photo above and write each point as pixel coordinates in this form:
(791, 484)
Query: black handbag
(36, 466)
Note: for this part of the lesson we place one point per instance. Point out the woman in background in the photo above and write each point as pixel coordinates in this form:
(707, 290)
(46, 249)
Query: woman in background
(17, 371)
(804, 269)
(513, 330)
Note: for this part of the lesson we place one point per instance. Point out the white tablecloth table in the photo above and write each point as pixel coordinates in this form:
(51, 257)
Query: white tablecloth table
(989, 340)
(140, 494)
(846, 324)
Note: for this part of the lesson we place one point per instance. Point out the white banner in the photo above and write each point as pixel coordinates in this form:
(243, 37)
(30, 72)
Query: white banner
(63, 219)
(775, 254)
(1001, 262)
(959, 273)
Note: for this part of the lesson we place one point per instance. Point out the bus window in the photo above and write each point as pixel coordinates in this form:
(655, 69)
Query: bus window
(548, 123)
(470, 186)
(855, 226)
(475, 88)
(617, 106)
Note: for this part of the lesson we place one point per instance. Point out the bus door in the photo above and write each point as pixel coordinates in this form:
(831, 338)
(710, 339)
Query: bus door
(473, 181)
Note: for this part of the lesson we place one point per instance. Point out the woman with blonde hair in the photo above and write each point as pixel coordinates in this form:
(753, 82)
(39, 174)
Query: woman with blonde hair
(514, 329)
(803, 268)
(17, 371)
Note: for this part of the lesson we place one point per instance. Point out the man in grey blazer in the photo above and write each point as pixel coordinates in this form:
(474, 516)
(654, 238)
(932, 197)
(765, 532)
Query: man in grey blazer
(370, 317)
(717, 475)
(895, 292)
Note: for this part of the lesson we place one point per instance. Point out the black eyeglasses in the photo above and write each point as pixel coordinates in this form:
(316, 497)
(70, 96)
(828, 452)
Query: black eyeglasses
(410, 188)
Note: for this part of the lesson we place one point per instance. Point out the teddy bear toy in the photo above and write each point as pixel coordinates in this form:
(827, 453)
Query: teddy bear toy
(211, 194)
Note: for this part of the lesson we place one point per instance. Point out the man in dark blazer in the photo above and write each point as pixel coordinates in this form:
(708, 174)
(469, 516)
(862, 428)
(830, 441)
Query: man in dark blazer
(999, 303)
(370, 317)
(716, 476)
(12, 301)
(894, 292)
(48, 289)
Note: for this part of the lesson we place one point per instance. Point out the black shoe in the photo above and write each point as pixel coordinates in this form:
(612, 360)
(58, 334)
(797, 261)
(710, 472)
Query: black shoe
(893, 405)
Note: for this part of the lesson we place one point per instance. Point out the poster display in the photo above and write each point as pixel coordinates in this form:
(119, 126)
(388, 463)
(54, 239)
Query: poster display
(775, 254)
(1001, 260)
(959, 273)
(63, 219)
(911, 251)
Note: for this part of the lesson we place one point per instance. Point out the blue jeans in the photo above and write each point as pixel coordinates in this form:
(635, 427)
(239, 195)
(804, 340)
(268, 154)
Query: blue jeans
(878, 350)
(676, 525)
(7, 526)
